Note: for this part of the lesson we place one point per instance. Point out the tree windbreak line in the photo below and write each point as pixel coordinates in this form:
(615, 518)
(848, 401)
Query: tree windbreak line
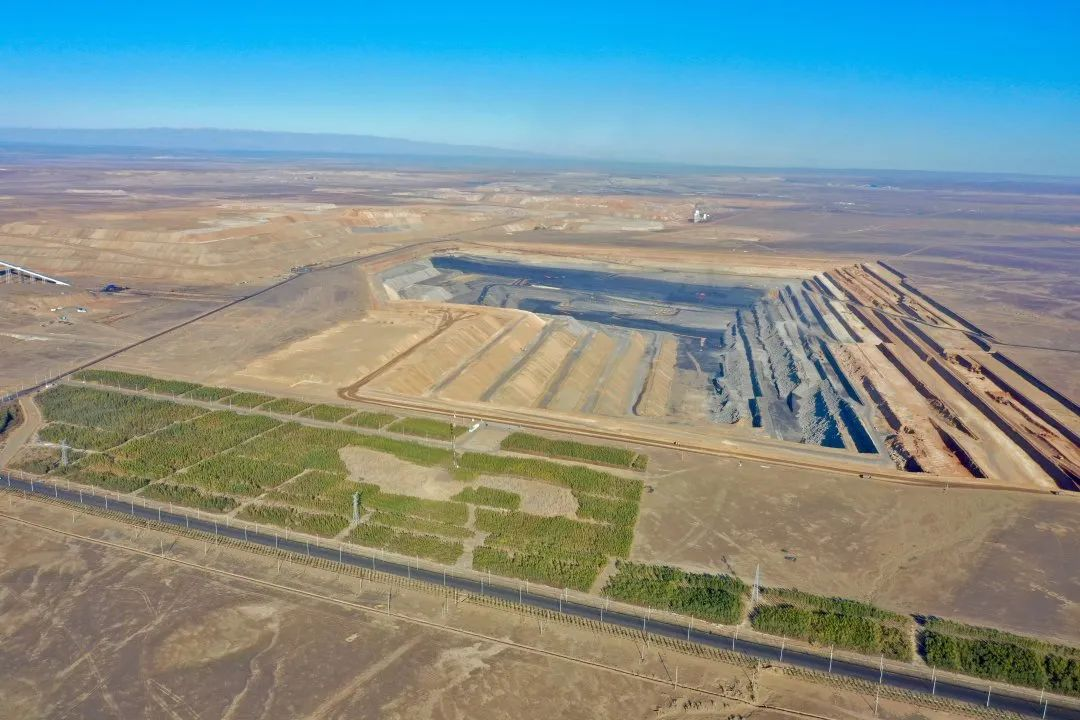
(998, 655)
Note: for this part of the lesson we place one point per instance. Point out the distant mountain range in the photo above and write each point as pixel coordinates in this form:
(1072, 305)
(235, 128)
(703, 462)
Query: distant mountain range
(216, 140)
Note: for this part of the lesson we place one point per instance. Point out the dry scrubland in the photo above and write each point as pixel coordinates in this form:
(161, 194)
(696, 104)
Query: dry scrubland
(291, 476)
(941, 312)
(165, 645)
(261, 467)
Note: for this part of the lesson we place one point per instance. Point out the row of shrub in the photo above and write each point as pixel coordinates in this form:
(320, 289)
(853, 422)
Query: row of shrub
(427, 428)
(577, 572)
(605, 509)
(576, 477)
(556, 535)
(182, 444)
(285, 406)
(718, 598)
(419, 524)
(132, 381)
(998, 655)
(318, 490)
(491, 497)
(407, 543)
(189, 496)
(572, 450)
(322, 524)
(450, 513)
(851, 632)
(327, 413)
(79, 436)
(125, 415)
(235, 474)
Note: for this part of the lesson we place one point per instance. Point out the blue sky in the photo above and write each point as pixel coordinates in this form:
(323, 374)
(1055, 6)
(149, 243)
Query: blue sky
(985, 86)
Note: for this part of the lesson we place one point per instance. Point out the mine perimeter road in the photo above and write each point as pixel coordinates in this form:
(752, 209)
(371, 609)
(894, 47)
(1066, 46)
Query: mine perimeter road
(766, 451)
(871, 673)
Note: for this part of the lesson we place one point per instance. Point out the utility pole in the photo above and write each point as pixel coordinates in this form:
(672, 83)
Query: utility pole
(453, 440)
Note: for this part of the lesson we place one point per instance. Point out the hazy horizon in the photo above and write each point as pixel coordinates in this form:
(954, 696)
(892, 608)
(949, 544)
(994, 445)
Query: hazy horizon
(444, 154)
(986, 87)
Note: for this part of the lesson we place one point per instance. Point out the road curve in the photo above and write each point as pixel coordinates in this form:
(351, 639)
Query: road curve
(1001, 700)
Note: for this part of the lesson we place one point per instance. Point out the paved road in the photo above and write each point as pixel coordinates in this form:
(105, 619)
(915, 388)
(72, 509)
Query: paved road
(870, 673)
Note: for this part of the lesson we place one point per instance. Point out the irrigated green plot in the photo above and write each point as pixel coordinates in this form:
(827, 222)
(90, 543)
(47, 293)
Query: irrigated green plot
(451, 513)
(577, 572)
(406, 543)
(998, 655)
(184, 444)
(322, 524)
(317, 448)
(99, 469)
(605, 509)
(248, 399)
(420, 525)
(834, 622)
(208, 394)
(235, 474)
(576, 477)
(327, 413)
(318, 490)
(189, 496)
(427, 428)
(285, 406)
(719, 598)
(77, 436)
(560, 536)
(490, 497)
(127, 415)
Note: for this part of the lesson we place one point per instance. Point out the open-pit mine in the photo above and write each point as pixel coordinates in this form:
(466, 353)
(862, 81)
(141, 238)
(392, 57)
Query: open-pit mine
(852, 358)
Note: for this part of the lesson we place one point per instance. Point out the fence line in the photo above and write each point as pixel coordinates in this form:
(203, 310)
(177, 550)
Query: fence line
(657, 626)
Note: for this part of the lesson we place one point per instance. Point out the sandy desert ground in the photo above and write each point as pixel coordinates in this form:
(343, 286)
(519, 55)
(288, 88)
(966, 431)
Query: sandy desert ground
(189, 641)
(929, 321)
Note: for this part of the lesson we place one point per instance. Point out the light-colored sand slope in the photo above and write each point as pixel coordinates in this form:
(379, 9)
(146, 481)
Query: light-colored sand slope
(339, 355)
(486, 368)
(420, 372)
(622, 381)
(583, 375)
(528, 384)
(657, 396)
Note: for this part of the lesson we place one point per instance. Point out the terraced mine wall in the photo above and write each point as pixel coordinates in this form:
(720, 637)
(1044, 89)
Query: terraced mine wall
(605, 343)
(1004, 360)
(1064, 480)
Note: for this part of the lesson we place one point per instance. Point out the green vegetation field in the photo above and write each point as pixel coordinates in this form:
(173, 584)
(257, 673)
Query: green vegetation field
(327, 413)
(132, 381)
(718, 598)
(406, 543)
(577, 572)
(125, 416)
(286, 406)
(998, 655)
(427, 428)
(834, 622)
(248, 399)
(576, 477)
(323, 524)
(189, 496)
(235, 474)
(571, 450)
(489, 496)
